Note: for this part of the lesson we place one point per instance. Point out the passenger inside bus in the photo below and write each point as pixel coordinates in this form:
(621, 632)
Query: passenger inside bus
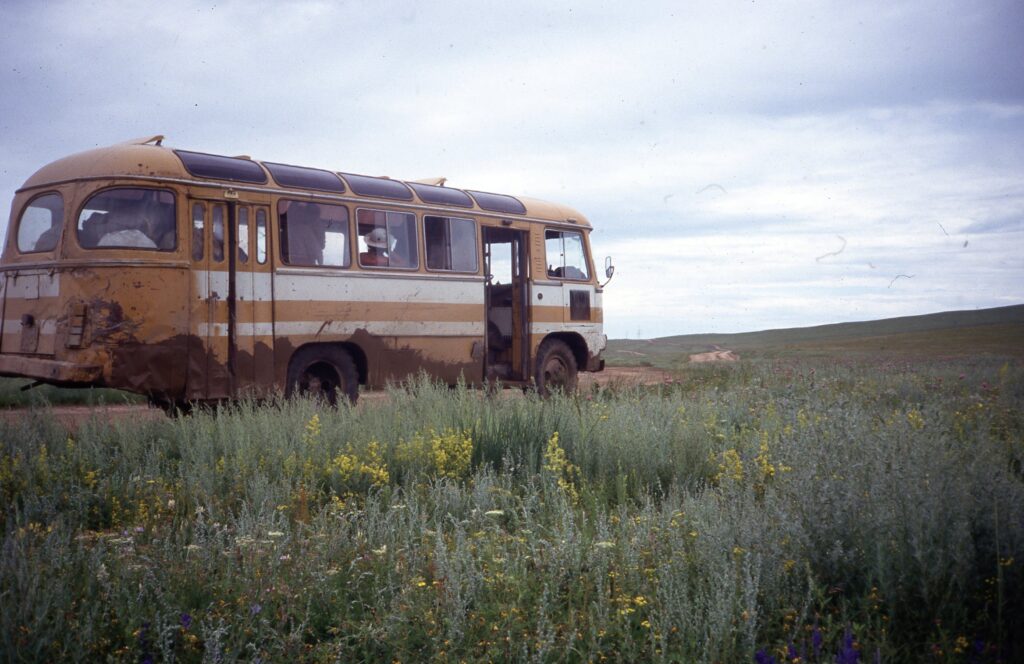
(130, 218)
(92, 229)
(48, 240)
(161, 226)
(125, 230)
(387, 239)
(376, 254)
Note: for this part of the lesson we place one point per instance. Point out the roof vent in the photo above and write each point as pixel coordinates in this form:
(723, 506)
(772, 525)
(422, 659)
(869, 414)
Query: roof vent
(435, 182)
(155, 140)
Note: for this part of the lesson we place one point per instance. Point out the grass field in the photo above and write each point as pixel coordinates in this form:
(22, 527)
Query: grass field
(772, 510)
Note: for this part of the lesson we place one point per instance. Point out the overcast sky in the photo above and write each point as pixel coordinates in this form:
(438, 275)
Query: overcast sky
(749, 165)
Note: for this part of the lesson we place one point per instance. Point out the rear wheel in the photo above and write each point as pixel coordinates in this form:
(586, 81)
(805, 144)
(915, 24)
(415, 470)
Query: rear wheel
(172, 407)
(556, 367)
(323, 372)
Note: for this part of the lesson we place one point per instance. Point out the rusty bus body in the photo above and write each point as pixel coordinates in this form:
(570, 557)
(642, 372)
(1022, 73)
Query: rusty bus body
(188, 277)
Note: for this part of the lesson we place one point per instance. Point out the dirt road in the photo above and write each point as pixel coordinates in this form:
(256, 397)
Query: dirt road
(73, 417)
(715, 356)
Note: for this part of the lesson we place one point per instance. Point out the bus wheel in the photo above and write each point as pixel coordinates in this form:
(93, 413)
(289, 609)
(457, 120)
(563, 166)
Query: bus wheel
(556, 367)
(172, 407)
(322, 372)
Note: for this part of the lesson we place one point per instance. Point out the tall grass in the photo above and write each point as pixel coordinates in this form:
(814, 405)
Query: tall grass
(758, 512)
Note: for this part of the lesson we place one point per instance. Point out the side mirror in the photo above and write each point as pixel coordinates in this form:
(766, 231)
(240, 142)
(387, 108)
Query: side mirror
(609, 270)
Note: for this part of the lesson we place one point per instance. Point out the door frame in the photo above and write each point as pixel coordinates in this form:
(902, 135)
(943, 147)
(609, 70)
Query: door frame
(517, 355)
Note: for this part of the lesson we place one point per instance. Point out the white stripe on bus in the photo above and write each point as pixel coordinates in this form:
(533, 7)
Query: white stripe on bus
(341, 288)
(345, 328)
(33, 285)
(46, 326)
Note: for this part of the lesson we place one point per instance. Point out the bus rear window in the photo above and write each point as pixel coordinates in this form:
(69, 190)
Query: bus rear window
(40, 224)
(129, 218)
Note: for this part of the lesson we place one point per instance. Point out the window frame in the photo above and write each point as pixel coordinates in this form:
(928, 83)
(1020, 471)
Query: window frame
(21, 219)
(585, 268)
(284, 245)
(415, 244)
(476, 244)
(99, 192)
(262, 221)
(197, 233)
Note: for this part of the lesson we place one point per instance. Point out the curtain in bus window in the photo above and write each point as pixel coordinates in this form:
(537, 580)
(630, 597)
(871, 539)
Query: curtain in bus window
(314, 233)
(128, 217)
(40, 224)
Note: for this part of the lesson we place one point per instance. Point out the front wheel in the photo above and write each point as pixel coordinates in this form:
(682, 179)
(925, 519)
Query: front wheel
(556, 368)
(323, 372)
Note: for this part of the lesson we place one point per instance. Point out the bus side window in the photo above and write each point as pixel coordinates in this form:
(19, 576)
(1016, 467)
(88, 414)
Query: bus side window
(313, 233)
(243, 235)
(261, 237)
(217, 244)
(387, 239)
(198, 226)
(451, 243)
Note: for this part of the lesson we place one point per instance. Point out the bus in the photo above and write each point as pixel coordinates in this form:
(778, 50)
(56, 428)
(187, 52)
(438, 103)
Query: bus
(194, 277)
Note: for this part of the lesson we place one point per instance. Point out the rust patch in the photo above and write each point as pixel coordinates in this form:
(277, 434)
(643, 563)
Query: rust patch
(398, 363)
(254, 371)
(109, 325)
(388, 363)
(153, 369)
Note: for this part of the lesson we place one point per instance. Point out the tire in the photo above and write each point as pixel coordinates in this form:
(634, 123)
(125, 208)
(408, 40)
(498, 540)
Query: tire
(323, 372)
(173, 407)
(555, 369)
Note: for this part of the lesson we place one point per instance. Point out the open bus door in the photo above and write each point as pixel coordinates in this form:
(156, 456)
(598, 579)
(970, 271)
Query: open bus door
(506, 294)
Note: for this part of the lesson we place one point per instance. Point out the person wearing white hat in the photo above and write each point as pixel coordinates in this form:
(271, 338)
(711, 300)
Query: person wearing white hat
(377, 250)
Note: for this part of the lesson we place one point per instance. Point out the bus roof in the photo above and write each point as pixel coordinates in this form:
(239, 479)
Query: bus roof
(149, 158)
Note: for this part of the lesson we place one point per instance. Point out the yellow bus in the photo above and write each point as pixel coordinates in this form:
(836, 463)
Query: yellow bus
(192, 277)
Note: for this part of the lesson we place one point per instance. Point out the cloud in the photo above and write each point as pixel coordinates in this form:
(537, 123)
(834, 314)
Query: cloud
(718, 148)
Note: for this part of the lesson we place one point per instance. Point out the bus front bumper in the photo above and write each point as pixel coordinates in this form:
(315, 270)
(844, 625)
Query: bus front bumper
(49, 371)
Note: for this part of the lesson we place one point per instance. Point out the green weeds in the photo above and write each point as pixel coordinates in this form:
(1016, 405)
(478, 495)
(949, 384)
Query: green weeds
(767, 512)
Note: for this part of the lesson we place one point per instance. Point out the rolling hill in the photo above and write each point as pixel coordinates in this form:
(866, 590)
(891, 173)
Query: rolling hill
(991, 332)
